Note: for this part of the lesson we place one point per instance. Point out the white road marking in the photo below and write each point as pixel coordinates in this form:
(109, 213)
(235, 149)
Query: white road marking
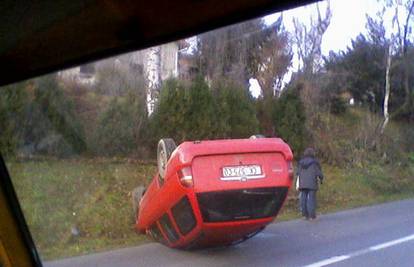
(328, 261)
(361, 252)
(392, 243)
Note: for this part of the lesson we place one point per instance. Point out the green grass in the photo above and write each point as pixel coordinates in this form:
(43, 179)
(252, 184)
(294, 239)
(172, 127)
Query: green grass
(355, 187)
(93, 196)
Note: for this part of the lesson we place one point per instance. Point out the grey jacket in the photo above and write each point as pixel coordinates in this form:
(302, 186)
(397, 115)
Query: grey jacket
(308, 172)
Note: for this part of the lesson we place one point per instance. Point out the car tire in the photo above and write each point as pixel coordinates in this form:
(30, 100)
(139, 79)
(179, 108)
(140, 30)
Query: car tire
(256, 136)
(137, 194)
(165, 148)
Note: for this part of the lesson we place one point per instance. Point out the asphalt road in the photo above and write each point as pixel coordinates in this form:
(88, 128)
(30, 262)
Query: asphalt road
(381, 235)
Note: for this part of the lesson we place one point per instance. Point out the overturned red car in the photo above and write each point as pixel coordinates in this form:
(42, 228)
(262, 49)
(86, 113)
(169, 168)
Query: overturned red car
(214, 193)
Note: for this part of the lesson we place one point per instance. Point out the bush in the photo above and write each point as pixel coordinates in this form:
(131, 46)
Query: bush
(168, 119)
(53, 126)
(120, 127)
(236, 115)
(199, 112)
(13, 108)
(200, 116)
(289, 119)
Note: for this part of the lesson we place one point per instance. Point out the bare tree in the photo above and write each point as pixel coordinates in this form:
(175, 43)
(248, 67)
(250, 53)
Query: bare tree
(402, 21)
(275, 59)
(308, 40)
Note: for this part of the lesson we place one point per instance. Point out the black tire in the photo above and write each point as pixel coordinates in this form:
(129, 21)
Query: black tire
(256, 136)
(137, 194)
(165, 148)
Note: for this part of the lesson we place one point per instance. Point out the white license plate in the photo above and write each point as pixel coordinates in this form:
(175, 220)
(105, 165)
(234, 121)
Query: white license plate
(242, 172)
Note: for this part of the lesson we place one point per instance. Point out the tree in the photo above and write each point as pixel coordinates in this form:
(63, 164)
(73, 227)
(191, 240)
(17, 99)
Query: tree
(168, 119)
(13, 111)
(360, 70)
(289, 119)
(308, 40)
(275, 59)
(53, 118)
(201, 112)
(403, 33)
(232, 52)
(121, 125)
(236, 114)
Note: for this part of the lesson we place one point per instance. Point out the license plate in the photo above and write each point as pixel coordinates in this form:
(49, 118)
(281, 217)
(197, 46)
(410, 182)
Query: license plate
(242, 173)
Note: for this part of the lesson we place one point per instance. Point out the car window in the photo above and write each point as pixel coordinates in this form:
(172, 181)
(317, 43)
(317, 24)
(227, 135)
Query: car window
(183, 215)
(168, 228)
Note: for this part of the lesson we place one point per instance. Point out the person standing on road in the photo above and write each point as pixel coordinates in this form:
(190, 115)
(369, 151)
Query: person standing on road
(309, 174)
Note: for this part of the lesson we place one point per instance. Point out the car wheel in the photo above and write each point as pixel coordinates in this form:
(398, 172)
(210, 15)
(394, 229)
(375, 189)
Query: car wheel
(137, 194)
(256, 136)
(166, 146)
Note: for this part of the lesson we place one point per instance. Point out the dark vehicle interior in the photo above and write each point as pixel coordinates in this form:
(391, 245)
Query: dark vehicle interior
(44, 36)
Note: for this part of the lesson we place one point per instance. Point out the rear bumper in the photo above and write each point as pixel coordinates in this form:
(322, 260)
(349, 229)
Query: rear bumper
(210, 233)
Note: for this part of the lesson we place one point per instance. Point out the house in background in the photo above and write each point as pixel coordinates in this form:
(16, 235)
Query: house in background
(155, 64)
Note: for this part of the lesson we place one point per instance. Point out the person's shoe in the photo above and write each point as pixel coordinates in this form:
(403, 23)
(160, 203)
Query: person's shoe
(305, 218)
(312, 218)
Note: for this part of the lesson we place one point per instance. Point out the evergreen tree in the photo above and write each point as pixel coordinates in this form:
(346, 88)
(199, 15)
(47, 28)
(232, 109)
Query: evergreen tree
(54, 113)
(121, 126)
(200, 115)
(13, 106)
(289, 118)
(168, 119)
(236, 112)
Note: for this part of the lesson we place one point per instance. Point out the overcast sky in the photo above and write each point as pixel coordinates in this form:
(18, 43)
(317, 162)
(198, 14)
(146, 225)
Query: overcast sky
(348, 20)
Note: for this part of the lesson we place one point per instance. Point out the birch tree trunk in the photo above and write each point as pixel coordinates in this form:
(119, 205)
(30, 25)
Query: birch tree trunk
(387, 91)
(153, 76)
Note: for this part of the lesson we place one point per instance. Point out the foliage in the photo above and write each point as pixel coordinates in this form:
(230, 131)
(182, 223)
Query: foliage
(236, 115)
(234, 52)
(53, 125)
(13, 108)
(168, 119)
(114, 80)
(289, 117)
(121, 125)
(361, 71)
(200, 117)
(200, 112)
(274, 59)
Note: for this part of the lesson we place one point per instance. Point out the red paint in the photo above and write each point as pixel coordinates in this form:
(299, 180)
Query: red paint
(204, 161)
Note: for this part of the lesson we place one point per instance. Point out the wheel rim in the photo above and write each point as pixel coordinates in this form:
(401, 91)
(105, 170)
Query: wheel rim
(162, 162)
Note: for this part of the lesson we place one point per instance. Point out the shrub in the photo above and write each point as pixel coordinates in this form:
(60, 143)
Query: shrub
(168, 119)
(236, 115)
(52, 114)
(13, 108)
(120, 126)
(201, 112)
(289, 119)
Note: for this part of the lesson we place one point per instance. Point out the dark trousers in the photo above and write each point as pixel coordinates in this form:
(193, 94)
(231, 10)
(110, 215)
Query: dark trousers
(308, 203)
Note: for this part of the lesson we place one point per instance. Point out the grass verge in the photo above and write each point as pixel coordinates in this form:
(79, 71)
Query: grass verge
(76, 207)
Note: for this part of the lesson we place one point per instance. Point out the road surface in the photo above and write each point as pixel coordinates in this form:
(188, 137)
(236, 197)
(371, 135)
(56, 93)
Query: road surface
(381, 235)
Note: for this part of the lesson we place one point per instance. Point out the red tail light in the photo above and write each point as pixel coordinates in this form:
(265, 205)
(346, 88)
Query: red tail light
(290, 169)
(186, 177)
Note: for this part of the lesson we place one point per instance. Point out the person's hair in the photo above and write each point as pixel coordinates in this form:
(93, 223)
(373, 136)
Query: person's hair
(309, 152)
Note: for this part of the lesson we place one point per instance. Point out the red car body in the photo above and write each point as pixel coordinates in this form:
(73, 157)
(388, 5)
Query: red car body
(215, 194)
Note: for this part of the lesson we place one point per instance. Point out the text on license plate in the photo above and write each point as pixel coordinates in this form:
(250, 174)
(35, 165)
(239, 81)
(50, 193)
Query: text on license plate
(242, 171)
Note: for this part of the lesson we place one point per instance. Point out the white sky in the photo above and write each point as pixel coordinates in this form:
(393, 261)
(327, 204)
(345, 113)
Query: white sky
(348, 20)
